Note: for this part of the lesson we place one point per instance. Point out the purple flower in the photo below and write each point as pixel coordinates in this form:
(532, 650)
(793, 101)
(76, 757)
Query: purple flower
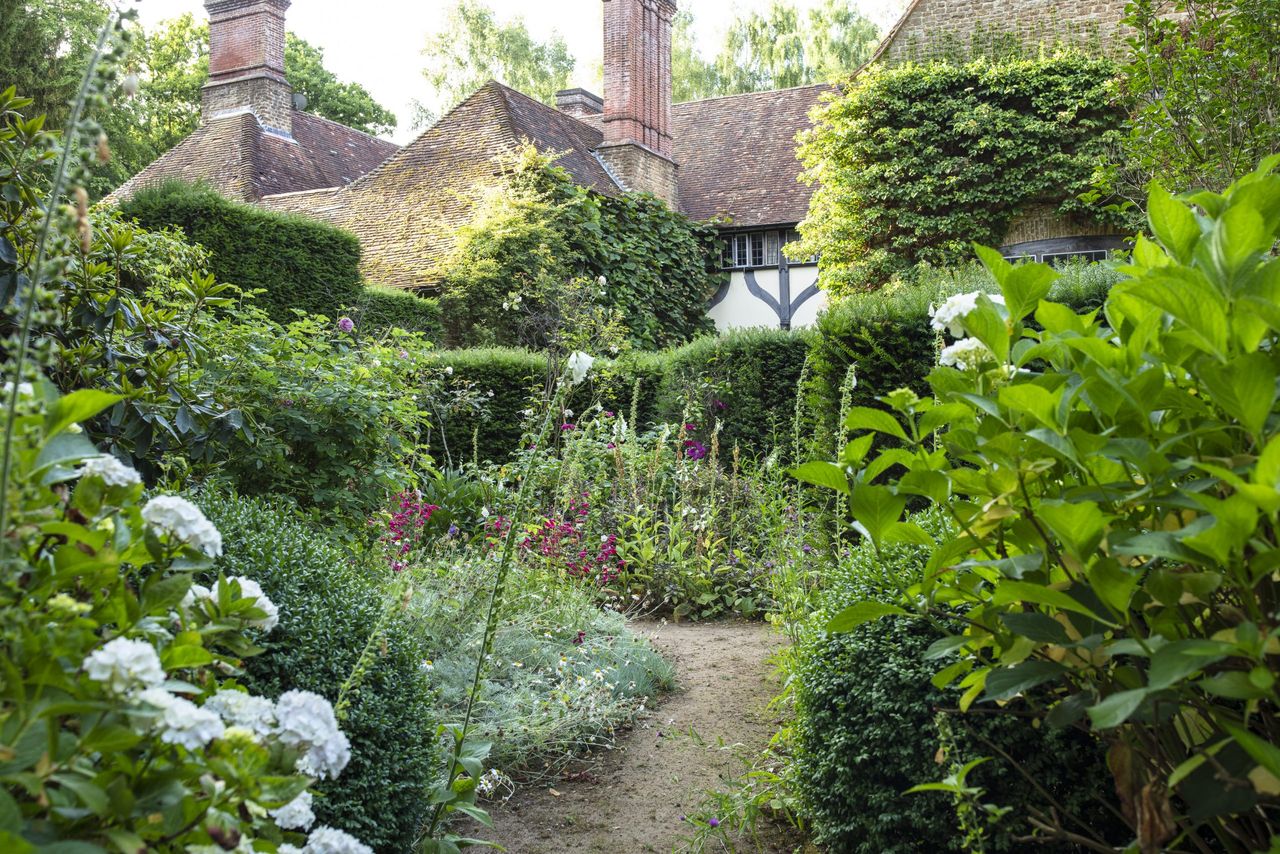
(608, 414)
(714, 822)
(695, 450)
(689, 428)
(807, 548)
(453, 530)
(720, 405)
(346, 324)
(611, 446)
(568, 427)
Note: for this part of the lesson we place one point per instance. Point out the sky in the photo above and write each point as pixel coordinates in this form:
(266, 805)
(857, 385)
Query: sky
(378, 43)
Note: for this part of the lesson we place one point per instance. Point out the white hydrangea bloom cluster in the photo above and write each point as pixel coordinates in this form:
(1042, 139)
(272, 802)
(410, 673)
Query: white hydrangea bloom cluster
(249, 589)
(328, 840)
(256, 714)
(112, 471)
(297, 814)
(950, 315)
(966, 354)
(181, 721)
(182, 519)
(125, 665)
(306, 721)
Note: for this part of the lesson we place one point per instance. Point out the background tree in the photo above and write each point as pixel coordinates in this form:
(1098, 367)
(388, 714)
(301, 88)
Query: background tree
(44, 47)
(476, 47)
(346, 103)
(779, 48)
(1207, 86)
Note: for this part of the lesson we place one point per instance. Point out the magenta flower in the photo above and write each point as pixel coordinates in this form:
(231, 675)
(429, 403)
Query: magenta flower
(568, 427)
(694, 449)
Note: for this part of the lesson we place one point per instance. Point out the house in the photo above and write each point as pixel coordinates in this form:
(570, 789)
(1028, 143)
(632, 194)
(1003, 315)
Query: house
(730, 158)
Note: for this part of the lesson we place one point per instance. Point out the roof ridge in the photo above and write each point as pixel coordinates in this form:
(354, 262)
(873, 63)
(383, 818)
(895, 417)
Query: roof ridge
(891, 34)
(328, 120)
(824, 84)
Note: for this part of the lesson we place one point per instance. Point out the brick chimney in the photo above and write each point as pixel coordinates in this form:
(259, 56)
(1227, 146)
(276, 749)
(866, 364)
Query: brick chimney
(637, 96)
(579, 103)
(246, 63)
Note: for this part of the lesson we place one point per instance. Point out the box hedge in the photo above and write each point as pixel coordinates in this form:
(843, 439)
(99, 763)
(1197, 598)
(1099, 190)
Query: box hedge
(298, 263)
(381, 308)
(328, 606)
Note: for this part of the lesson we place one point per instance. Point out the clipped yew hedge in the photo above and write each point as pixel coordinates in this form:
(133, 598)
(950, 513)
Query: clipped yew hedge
(296, 262)
(381, 308)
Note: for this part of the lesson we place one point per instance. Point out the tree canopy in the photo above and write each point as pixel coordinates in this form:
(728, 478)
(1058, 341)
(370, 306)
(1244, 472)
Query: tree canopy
(779, 48)
(475, 47)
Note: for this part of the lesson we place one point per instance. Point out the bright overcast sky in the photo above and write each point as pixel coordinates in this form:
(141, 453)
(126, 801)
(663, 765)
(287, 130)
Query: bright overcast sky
(378, 43)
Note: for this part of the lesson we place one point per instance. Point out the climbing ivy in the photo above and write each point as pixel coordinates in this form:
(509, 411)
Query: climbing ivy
(916, 162)
(542, 229)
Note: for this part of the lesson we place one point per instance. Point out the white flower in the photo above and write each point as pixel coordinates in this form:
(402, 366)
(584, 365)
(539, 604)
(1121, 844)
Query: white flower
(250, 589)
(125, 665)
(182, 519)
(602, 281)
(579, 366)
(195, 593)
(257, 714)
(306, 722)
(295, 815)
(288, 849)
(327, 840)
(951, 314)
(24, 389)
(965, 354)
(181, 721)
(448, 370)
(112, 471)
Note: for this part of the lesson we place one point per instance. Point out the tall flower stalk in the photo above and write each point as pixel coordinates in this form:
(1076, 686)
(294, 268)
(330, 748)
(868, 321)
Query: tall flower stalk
(71, 143)
(458, 758)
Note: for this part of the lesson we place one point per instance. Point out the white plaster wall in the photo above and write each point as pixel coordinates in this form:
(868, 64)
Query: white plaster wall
(740, 309)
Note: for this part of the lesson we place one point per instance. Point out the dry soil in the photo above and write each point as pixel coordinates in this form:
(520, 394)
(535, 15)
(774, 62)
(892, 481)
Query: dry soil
(631, 798)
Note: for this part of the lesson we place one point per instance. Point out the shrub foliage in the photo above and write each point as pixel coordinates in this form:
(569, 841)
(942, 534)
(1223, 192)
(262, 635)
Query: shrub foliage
(298, 263)
(915, 162)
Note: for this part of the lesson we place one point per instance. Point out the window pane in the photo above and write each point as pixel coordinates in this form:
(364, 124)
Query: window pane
(757, 249)
(726, 256)
(740, 250)
(771, 248)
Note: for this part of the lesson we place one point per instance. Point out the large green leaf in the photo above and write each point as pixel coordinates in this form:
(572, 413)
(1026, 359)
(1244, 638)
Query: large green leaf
(826, 475)
(866, 418)
(875, 508)
(1004, 683)
(1117, 708)
(1178, 660)
(1173, 223)
(77, 407)
(862, 612)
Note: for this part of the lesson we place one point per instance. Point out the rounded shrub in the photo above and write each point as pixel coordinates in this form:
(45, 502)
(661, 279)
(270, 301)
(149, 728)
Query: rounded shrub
(328, 607)
(865, 730)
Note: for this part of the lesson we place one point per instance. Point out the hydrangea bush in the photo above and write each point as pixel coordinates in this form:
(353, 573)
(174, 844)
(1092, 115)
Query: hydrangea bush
(1114, 480)
(122, 727)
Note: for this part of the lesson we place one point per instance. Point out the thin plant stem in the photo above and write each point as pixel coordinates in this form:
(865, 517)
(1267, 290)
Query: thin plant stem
(495, 600)
(46, 227)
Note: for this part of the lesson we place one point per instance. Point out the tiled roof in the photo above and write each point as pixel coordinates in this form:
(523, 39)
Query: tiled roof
(737, 155)
(406, 211)
(241, 160)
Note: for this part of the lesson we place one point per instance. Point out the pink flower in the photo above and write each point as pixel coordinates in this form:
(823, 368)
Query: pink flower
(346, 324)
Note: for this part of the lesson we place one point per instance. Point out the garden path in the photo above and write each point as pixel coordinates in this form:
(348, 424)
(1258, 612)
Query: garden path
(631, 800)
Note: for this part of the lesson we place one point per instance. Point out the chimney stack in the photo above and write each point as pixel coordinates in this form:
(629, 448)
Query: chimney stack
(246, 63)
(579, 103)
(637, 96)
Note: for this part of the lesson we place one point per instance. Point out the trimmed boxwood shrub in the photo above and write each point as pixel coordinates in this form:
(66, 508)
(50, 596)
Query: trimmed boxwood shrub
(298, 263)
(382, 308)
(865, 731)
(328, 606)
(752, 373)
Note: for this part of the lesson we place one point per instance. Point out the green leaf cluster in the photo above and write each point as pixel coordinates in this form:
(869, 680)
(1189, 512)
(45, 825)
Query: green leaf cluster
(1114, 478)
(913, 162)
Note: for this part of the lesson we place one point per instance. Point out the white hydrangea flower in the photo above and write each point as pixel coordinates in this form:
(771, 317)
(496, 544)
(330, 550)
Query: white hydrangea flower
(965, 354)
(195, 593)
(181, 721)
(250, 589)
(295, 815)
(306, 721)
(579, 366)
(112, 471)
(184, 520)
(125, 665)
(257, 714)
(288, 849)
(327, 840)
(951, 314)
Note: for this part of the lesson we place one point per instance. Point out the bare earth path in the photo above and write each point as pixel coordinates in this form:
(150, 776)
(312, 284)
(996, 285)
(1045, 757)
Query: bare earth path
(632, 799)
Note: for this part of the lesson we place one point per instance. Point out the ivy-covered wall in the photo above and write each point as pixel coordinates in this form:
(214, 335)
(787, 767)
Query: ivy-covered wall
(915, 163)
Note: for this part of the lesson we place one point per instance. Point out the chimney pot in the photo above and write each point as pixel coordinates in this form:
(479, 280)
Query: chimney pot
(246, 62)
(579, 103)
